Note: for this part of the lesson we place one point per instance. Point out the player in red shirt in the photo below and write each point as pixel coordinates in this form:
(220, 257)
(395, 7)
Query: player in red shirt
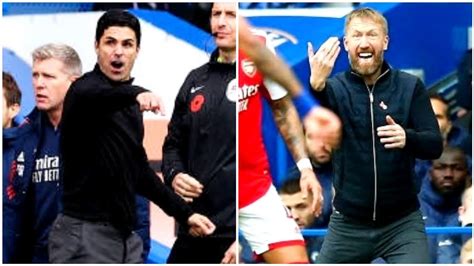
(263, 220)
(321, 124)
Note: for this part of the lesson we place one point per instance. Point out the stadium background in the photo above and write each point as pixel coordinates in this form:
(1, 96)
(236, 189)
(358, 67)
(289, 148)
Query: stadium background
(426, 39)
(170, 48)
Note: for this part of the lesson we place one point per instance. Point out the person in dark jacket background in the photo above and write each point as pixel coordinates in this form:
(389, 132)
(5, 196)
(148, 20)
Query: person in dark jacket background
(54, 63)
(440, 198)
(199, 160)
(449, 245)
(11, 139)
(11, 103)
(104, 162)
(11, 100)
(31, 196)
(320, 156)
(387, 123)
(453, 135)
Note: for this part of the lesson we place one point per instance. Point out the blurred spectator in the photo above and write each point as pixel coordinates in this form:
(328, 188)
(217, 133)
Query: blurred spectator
(298, 206)
(466, 253)
(453, 135)
(11, 100)
(465, 210)
(440, 195)
(300, 210)
(320, 156)
(11, 138)
(449, 245)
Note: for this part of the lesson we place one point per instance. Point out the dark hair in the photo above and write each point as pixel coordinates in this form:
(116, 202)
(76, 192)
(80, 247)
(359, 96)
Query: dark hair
(120, 18)
(11, 91)
(435, 96)
(458, 150)
(290, 187)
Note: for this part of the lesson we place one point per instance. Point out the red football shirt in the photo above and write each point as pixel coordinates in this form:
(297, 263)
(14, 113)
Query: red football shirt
(254, 168)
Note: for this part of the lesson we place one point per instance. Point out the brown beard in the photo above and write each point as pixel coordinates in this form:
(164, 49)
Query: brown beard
(366, 70)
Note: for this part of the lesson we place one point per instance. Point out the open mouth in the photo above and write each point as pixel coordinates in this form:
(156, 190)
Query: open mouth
(117, 65)
(366, 55)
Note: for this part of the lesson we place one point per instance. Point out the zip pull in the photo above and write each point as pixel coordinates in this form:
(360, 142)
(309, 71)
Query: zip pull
(371, 96)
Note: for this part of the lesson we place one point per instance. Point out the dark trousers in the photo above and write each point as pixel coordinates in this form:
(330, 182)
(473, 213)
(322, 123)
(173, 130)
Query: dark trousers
(402, 241)
(74, 240)
(189, 249)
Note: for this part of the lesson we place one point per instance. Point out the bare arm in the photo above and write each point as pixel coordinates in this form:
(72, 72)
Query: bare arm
(323, 125)
(290, 127)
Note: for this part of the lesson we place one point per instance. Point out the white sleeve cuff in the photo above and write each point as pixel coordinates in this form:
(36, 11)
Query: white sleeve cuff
(303, 164)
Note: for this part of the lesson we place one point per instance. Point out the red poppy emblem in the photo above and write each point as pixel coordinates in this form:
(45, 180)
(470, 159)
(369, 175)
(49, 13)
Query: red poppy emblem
(197, 103)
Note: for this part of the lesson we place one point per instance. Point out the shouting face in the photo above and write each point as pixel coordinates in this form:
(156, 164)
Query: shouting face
(365, 41)
(116, 52)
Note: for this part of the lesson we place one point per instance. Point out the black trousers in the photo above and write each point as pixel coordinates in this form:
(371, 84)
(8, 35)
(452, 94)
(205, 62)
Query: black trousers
(402, 241)
(73, 240)
(188, 249)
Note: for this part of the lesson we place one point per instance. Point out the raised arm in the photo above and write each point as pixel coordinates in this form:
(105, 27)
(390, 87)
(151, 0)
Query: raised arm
(267, 62)
(322, 62)
(323, 125)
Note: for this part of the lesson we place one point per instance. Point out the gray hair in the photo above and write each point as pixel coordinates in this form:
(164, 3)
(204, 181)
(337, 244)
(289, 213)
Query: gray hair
(61, 52)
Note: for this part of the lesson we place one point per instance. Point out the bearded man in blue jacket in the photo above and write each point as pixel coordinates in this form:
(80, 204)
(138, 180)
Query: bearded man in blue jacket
(387, 122)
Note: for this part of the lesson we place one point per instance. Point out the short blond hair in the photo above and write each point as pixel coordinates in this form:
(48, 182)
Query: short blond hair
(369, 13)
(61, 52)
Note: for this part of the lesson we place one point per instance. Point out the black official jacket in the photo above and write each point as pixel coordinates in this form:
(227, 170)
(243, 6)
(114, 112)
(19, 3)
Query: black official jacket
(373, 183)
(104, 162)
(201, 141)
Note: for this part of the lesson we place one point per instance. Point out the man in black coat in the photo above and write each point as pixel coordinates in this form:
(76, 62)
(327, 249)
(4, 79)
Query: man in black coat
(387, 123)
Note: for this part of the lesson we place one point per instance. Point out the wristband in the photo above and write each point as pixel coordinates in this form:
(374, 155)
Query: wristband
(304, 164)
(304, 102)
